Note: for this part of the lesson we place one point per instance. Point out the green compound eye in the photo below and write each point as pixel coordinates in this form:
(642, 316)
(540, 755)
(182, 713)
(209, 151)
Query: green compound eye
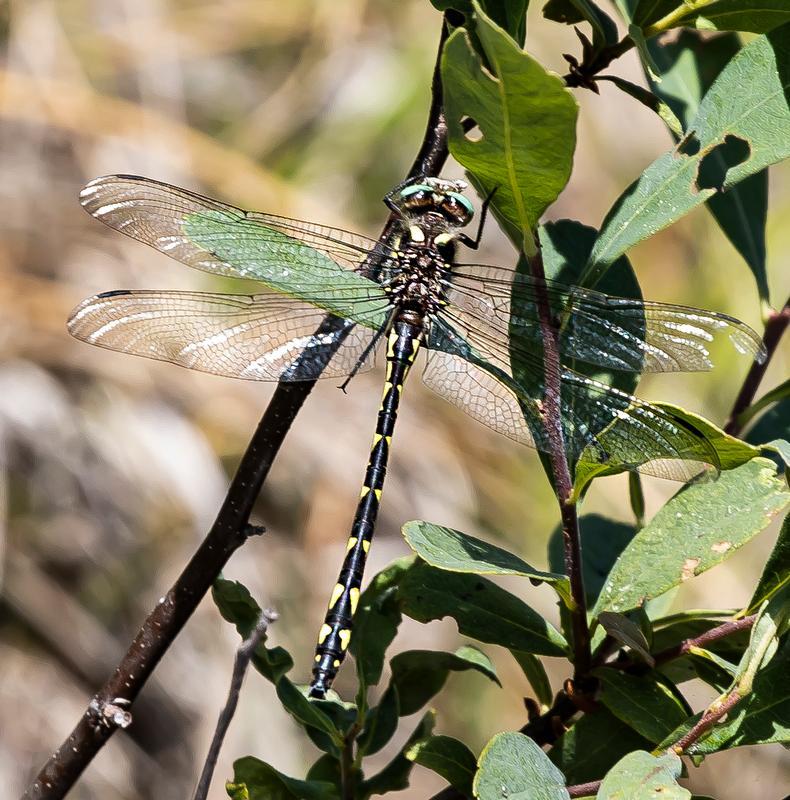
(414, 189)
(463, 200)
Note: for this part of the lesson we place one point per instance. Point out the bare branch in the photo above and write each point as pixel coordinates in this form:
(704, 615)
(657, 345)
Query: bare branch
(240, 665)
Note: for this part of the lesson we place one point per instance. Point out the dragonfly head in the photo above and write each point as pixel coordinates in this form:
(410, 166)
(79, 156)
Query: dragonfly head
(439, 197)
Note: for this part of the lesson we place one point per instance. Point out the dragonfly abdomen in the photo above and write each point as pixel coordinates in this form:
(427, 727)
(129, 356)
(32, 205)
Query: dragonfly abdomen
(333, 639)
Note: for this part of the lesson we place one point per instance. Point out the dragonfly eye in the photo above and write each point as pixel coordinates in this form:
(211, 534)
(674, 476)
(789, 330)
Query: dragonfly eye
(457, 209)
(417, 198)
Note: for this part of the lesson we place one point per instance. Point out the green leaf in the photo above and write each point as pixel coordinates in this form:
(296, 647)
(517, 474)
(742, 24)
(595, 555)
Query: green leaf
(749, 90)
(572, 11)
(773, 424)
(593, 745)
(627, 633)
(730, 451)
(237, 606)
(762, 717)
(776, 395)
(512, 95)
(376, 622)
(327, 769)
(513, 765)
(644, 702)
(307, 713)
(688, 67)
(481, 609)
(754, 16)
(447, 757)
(644, 776)
(776, 573)
(511, 15)
(602, 542)
(256, 780)
(381, 723)
(395, 776)
(535, 672)
(454, 551)
(651, 100)
(418, 675)
(701, 526)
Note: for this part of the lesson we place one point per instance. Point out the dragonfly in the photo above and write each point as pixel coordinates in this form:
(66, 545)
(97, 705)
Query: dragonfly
(329, 297)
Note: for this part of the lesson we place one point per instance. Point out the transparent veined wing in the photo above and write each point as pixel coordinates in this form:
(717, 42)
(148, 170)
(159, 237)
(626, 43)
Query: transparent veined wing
(314, 263)
(264, 337)
(603, 425)
(611, 332)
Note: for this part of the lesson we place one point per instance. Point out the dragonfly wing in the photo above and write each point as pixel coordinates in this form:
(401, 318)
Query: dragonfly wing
(611, 332)
(600, 424)
(294, 257)
(258, 337)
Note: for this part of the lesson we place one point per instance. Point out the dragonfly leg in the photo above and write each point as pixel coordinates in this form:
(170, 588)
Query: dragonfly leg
(384, 329)
(468, 241)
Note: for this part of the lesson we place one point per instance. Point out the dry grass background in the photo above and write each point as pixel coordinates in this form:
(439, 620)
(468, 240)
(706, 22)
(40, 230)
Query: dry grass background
(111, 468)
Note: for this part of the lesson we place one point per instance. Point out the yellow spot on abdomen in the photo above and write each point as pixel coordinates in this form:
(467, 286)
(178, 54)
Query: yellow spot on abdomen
(352, 542)
(337, 593)
(345, 638)
(324, 632)
(353, 596)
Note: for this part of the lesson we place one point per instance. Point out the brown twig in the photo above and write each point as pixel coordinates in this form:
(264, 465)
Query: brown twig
(563, 483)
(775, 326)
(712, 635)
(241, 663)
(584, 789)
(103, 715)
(705, 723)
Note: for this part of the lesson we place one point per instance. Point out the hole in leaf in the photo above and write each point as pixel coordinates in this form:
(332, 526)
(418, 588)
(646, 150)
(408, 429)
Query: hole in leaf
(714, 166)
(689, 144)
(471, 129)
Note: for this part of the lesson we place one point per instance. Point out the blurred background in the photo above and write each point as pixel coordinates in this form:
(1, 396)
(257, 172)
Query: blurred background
(112, 467)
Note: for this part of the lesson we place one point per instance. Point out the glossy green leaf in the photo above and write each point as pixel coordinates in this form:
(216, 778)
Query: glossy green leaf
(701, 526)
(762, 717)
(645, 703)
(572, 11)
(646, 12)
(513, 765)
(454, 551)
(511, 15)
(447, 757)
(776, 395)
(730, 451)
(326, 768)
(644, 776)
(381, 723)
(513, 95)
(595, 743)
(256, 780)
(776, 573)
(627, 633)
(237, 606)
(305, 712)
(688, 66)
(480, 608)
(418, 675)
(602, 542)
(650, 100)
(535, 673)
(754, 16)
(376, 622)
(751, 89)
(395, 776)
(773, 424)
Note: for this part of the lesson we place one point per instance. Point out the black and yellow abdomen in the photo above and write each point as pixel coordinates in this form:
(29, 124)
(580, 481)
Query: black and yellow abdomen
(335, 634)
